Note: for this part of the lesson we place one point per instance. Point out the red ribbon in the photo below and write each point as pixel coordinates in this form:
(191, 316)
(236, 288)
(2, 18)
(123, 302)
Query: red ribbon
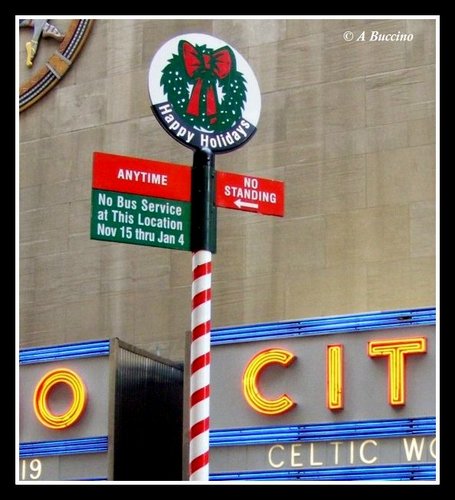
(218, 64)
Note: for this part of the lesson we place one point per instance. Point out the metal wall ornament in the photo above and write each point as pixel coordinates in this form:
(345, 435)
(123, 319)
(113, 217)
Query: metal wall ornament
(61, 60)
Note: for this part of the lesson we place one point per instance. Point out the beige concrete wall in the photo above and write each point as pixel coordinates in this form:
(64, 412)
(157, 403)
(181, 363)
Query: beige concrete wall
(349, 127)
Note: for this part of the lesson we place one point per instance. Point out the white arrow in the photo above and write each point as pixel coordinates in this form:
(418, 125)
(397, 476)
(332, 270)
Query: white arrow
(246, 204)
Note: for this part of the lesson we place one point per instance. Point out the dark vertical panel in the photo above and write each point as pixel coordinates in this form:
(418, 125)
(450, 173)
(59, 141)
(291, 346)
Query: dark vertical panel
(148, 417)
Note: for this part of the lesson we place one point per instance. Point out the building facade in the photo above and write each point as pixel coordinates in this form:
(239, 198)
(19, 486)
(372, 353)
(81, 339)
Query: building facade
(348, 123)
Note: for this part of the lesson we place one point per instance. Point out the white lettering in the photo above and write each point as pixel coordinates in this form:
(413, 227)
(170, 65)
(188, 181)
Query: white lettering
(204, 141)
(229, 139)
(104, 230)
(312, 461)
(362, 455)
(161, 223)
(250, 182)
(433, 448)
(122, 217)
(166, 238)
(125, 203)
(104, 199)
(375, 36)
(351, 452)
(160, 208)
(144, 235)
(413, 449)
(271, 462)
(295, 454)
(102, 214)
(337, 445)
(140, 176)
(31, 469)
(250, 194)
(165, 108)
(240, 129)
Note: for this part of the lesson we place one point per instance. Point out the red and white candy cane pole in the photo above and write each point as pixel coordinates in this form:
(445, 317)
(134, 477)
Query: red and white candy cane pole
(203, 243)
(200, 366)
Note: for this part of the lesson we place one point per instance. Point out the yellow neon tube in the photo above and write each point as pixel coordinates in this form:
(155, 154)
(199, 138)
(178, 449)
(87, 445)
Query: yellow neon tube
(251, 392)
(396, 351)
(334, 377)
(42, 391)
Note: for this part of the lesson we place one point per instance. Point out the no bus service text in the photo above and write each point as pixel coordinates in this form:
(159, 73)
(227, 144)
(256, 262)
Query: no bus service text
(162, 207)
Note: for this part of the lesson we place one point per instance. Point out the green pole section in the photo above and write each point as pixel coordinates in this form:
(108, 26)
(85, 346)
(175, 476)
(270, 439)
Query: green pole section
(203, 209)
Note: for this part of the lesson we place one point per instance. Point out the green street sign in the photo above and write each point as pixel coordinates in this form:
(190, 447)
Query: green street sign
(140, 220)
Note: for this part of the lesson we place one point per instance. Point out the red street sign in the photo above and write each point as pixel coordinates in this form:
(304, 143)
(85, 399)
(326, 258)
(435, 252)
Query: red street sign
(253, 194)
(139, 176)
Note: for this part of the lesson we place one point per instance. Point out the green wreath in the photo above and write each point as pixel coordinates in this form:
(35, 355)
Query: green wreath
(192, 81)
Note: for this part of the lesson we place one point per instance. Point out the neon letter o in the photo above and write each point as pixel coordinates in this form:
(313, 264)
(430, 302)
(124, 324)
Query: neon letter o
(45, 386)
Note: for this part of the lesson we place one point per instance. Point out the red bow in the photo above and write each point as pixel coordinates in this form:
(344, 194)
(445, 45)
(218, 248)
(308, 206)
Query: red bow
(218, 64)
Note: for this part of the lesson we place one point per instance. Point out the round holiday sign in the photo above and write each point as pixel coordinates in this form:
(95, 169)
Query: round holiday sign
(204, 93)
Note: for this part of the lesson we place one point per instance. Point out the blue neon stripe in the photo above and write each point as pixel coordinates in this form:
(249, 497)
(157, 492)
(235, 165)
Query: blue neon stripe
(98, 444)
(351, 323)
(65, 351)
(400, 472)
(244, 436)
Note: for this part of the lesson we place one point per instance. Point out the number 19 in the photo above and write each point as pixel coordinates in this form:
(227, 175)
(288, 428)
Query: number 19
(33, 471)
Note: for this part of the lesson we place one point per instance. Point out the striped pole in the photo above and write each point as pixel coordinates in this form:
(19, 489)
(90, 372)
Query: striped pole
(200, 366)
